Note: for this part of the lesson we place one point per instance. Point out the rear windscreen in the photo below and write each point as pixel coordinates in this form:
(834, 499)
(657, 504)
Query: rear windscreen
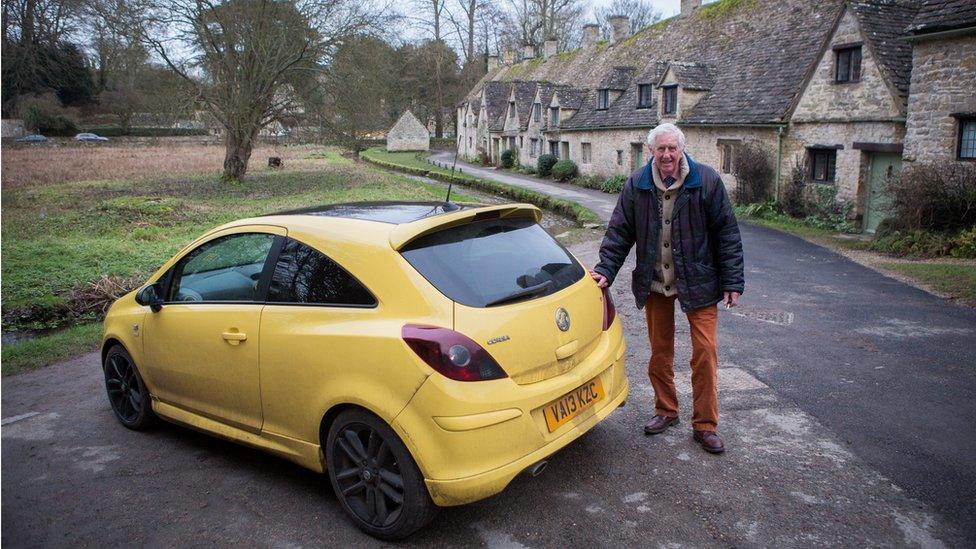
(493, 262)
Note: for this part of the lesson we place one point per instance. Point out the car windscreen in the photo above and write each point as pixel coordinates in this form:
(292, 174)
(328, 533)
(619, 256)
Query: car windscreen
(493, 262)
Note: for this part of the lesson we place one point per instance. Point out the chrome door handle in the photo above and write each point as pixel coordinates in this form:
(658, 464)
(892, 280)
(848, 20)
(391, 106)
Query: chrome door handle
(234, 338)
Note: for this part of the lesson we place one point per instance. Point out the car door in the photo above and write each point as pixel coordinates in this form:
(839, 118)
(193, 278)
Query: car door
(203, 343)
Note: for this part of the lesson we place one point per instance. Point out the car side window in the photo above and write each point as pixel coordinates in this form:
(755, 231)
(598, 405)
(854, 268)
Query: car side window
(224, 269)
(305, 275)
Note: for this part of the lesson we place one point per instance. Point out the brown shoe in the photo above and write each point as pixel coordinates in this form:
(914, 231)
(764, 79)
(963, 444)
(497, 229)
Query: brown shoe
(711, 442)
(659, 424)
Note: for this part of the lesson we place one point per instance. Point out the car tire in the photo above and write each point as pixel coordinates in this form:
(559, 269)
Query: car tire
(366, 462)
(127, 393)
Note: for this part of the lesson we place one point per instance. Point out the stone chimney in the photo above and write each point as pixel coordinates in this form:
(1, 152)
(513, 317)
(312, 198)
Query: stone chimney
(621, 27)
(492, 62)
(689, 6)
(591, 35)
(528, 52)
(549, 48)
(508, 57)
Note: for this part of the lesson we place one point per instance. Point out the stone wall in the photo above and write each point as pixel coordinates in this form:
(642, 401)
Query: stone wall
(702, 144)
(13, 127)
(852, 164)
(943, 83)
(868, 99)
(408, 134)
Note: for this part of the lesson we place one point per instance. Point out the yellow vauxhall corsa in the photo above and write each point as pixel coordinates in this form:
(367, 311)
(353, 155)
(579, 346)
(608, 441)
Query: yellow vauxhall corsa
(423, 354)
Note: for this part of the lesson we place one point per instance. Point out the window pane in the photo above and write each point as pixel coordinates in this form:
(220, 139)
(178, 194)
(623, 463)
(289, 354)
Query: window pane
(644, 95)
(225, 269)
(586, 152)
(831, 164)
(856, 64)
(843, 65)
(304, 275)
(604, 97)
(819, 167)
(967, 141)
(477, 263)
(670, 100)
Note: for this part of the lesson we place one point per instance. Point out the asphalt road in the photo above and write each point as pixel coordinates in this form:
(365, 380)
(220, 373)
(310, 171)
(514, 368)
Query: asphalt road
(846, 402)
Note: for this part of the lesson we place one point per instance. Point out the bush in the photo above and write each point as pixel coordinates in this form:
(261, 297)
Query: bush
(44, 114)
(564, 170)
(793, 201)
(484, 158)
(826, 212)
(508, 158)
(588, 182)
(613, 184)
(964, 244)
(754, 173)
(917, 243)
(529, 170)
(936, 197)
(545, 164)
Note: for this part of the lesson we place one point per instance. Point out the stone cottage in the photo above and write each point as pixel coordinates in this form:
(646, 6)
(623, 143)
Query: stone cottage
(408, 134)
(823, 85)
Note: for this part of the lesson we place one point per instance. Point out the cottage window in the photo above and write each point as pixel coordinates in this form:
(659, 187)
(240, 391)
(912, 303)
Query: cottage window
(533, 147)
(554, 148)
(469, 142)
(603, 99)
(586, 152)
(823, 164)
(644, 96)
(670, 101)
(847, 67)
(967, 139)
(726, 149)
(536, 111)
(564, 149)
(511, 109)
(620, 157)
(554, 117)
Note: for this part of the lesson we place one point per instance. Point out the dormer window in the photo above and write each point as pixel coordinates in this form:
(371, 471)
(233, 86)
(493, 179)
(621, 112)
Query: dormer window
(603, 99)
(511, 109)
(554, 117)
(847, 66)
(644, 96)
(669, 101)
(536, 111)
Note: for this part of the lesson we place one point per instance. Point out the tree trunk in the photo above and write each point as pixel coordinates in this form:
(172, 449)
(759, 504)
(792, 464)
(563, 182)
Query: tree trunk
(237, 152)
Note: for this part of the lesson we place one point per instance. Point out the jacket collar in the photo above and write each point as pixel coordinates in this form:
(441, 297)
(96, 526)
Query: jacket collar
(692, 181)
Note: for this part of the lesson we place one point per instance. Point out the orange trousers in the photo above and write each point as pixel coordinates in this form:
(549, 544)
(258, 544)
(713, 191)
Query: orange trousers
(704, 360)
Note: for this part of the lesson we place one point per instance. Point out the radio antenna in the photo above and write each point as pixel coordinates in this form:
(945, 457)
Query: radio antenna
(451, 182)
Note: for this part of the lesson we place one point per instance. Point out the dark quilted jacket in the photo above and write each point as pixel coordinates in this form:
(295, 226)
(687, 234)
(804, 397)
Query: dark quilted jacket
(704, 232)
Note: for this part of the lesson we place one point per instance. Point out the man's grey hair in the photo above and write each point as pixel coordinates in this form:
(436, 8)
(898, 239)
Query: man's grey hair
(664, 129)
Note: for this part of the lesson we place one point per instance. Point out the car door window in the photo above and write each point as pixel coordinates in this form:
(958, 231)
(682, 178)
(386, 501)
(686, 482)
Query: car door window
(224, 269)
(305, 275)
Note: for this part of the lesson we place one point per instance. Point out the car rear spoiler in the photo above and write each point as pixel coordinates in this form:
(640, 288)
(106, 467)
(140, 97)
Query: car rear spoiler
(408, 232)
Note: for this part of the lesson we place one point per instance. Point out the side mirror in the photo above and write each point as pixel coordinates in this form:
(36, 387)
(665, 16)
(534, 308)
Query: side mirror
(148, 296)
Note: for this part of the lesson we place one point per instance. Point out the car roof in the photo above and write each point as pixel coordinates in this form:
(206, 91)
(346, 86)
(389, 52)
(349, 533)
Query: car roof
(394, 213)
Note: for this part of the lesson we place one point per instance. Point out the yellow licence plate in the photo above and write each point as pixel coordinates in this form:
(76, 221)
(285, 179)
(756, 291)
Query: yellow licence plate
(573, 403)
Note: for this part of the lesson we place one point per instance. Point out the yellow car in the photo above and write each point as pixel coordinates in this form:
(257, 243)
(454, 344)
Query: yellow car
(423, 354)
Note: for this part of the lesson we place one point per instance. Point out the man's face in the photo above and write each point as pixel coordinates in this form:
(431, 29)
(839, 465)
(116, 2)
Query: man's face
(667, 153)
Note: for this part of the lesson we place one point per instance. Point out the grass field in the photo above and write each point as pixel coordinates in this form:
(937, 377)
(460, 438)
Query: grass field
(63, 233)
(957, 280)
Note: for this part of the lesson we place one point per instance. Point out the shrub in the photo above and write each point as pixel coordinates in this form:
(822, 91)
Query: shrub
(826, 212)
(588, 182)
(545, 164)
(793, 201)
(529, 170)
(964, 244)
(508, 158)
(44, 114)
(754, 173)
(484, 158)
(613, 184)
(916, 242)
(564, 170)
(937, 197)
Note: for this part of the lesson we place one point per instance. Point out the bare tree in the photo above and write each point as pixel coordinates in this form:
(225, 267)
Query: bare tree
(640, 12)
(243, 56)
(532, 22)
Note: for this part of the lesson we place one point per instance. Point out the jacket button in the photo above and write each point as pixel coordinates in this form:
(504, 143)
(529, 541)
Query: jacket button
(666, 266)
(667, 197)
(667, 221)
(667, 244)
(667, 288)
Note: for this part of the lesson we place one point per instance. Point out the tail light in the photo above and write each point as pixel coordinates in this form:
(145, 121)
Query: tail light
(609, 310)
(452, 354)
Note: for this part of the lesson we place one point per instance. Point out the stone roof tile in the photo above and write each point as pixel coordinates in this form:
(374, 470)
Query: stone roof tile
(883, 24)
(942, 15)
(618, 78)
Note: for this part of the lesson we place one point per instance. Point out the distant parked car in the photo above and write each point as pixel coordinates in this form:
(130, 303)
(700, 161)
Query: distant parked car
(32, 138)
(90, 137)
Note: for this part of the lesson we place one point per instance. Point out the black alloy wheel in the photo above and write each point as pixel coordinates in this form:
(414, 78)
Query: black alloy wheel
(374, 477)
(126, 392)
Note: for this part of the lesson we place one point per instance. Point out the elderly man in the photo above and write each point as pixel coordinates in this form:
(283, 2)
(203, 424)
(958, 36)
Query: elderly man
(689, 248)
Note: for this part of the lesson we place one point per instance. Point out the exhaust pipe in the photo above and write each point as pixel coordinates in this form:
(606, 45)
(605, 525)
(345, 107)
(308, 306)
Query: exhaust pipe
(538, 468)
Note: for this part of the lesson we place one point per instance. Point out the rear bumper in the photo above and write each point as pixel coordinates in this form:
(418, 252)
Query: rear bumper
(466, 490)
(471, 439)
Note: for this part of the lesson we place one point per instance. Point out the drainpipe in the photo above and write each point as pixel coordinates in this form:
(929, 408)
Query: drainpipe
(779, 161)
